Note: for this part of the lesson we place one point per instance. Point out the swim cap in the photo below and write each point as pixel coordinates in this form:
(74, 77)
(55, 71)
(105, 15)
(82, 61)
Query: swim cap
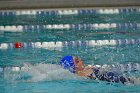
(67, 62)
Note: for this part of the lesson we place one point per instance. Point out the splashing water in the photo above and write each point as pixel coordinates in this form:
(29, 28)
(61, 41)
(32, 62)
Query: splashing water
(51, 72)
(40, 72)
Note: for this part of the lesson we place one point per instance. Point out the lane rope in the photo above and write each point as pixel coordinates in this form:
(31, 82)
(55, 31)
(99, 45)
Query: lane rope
(58, 12)
(59, 44)
(100, 26)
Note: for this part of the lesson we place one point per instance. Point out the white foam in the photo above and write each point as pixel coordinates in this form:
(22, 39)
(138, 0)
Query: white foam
(47, 72)
(98, 66)
(1, 70)
(15, 69)
(105, 66)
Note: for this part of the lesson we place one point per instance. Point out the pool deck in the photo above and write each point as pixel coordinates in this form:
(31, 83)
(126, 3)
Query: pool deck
(48, 4)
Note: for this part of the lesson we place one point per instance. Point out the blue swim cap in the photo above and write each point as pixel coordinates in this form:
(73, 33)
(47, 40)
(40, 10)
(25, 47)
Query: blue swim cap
(67, 62)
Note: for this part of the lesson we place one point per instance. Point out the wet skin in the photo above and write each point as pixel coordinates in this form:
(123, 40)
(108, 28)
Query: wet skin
(81, 68)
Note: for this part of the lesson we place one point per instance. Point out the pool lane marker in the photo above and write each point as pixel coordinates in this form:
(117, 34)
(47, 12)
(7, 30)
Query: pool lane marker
(95, 26)
(13, 28)
(59, 44)
(59, 12)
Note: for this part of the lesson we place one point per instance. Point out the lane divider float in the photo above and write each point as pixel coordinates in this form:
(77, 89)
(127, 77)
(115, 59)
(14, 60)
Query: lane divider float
(59, 44)
(100, 26)
(57, 12)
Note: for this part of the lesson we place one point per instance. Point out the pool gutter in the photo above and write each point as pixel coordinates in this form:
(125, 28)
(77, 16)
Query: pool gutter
(43, 4)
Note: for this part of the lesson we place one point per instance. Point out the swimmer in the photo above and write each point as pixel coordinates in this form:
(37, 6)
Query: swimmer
(76, 66)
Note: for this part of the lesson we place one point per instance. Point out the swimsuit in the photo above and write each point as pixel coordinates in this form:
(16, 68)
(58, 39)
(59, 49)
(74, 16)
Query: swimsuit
(108, 76)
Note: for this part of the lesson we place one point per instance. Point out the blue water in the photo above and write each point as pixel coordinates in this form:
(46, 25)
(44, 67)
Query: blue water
(41, 72)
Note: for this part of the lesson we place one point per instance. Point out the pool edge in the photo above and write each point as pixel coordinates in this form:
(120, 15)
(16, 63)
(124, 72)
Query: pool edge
(49, 4)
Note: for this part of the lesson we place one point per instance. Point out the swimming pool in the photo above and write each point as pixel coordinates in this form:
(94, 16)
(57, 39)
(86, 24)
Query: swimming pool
(106, 37)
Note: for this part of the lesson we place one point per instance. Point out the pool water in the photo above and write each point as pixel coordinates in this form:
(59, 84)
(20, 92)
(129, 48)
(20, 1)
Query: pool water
(37, 68)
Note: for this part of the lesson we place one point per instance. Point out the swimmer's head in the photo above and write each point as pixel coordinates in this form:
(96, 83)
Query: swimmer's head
(73, 64)
(67, 62)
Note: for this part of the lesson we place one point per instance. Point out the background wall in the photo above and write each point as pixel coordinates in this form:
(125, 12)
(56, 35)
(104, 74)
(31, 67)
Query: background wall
(14, 4)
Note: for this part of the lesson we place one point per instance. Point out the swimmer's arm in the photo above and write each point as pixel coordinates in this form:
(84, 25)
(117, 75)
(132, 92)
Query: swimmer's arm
(87, 72)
